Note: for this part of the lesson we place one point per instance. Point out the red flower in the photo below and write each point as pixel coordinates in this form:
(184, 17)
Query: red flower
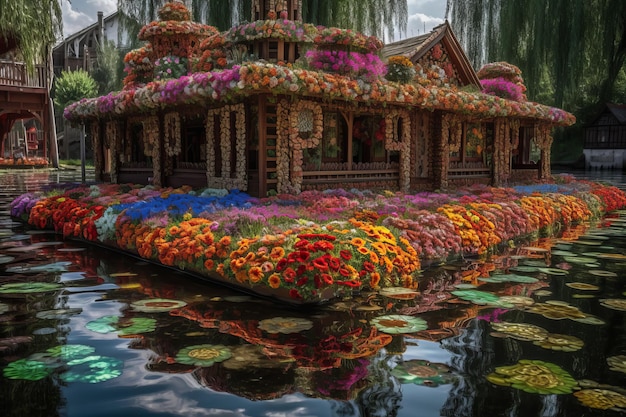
(289, 274)
(345, 254)
(320, 263)
(295, 294)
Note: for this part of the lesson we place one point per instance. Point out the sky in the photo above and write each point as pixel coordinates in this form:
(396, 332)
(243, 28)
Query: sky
(78, 14)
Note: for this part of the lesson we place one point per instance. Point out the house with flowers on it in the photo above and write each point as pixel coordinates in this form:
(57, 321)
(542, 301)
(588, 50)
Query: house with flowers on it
(278, 105)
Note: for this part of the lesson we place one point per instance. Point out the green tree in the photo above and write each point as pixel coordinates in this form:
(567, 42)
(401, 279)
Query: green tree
(71, 86)
(18, 20)
(372, 17)
(571, 52)
(108, 70)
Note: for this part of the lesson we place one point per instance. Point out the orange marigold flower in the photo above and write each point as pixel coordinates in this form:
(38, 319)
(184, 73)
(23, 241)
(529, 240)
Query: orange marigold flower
(225, 241)
(277, 253)
(274, 281)
(374, 279)
(209, 264)
(255, 274)
(364, 250)
(357, 241)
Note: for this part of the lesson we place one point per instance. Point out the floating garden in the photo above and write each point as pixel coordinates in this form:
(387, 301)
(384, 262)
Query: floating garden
(317, 246)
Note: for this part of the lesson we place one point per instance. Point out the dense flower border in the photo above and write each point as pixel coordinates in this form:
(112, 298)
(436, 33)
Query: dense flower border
(318, 244)
(258, 77)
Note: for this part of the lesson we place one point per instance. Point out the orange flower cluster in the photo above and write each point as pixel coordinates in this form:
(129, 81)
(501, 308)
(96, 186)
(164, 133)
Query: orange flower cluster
(541, 212)
(477, 232)
(67, 216)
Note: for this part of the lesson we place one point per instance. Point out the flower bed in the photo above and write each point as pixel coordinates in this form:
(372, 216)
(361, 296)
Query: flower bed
(317, 245)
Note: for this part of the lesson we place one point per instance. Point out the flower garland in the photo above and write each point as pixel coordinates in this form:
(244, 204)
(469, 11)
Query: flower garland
(172, 139)
(113, 141)
(296, 140)
(225, 116)
(282, 147)
(151, 134)
(400, 69)
(403, 144)
(98, 157)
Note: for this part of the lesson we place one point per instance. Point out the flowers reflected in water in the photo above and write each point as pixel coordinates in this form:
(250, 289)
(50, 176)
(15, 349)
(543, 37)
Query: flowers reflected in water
(399, 324)
(535, 377)
(203, 355)
(285, 325)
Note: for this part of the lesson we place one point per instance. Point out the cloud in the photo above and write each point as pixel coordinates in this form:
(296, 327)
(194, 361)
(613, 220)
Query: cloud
(79, 14)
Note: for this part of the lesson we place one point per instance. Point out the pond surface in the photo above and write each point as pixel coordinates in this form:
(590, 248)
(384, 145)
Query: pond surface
(536, 331)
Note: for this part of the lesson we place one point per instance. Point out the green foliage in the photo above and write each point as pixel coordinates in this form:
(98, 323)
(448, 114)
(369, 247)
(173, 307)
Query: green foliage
(72, 86)
(107, 72)
(373, 17)
(571, 52)
(35, 25)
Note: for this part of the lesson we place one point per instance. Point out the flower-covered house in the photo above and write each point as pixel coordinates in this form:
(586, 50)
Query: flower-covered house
(281, 106)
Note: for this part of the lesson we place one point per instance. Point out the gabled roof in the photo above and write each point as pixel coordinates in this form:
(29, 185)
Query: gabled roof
(619, 111)
(416, 47)
(84, 31)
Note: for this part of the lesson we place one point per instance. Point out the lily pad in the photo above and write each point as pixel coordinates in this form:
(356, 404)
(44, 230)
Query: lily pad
(560, 342)
(5, 259)
(60, 313)
(399, 293)
(28, 287)
(203, 355)
(520, 331)
(602, 399)
(125, 326)
(614, 303)
(285, 325)
(535, 377)
(617, 363)
(554, 311)
(28, 369)
(481, 298)
(499, 278)
(157, 305)
(602, 273)
(422, 372)
(524, 268)
(553, 271)
(399, 324)
(93, 369)
(53, 267)
(582, 286)
(44, 331)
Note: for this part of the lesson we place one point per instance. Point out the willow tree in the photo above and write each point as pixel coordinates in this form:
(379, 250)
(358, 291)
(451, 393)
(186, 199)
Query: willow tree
(18, 19)
(372, 17)
(575, 47)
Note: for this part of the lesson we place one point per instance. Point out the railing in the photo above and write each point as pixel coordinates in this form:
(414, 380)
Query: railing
(15, 74)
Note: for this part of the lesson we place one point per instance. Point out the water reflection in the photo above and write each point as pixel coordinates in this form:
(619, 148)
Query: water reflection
(102, 334)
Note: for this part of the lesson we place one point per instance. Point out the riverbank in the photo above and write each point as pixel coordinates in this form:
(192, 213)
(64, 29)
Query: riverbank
(315, 246)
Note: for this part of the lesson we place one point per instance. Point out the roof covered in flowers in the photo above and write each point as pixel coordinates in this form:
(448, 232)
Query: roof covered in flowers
(233, 84)
(326, 76)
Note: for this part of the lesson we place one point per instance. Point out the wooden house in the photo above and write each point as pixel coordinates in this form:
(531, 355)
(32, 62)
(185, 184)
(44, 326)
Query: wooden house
(281, 106)
(605, 139)
(24, 96)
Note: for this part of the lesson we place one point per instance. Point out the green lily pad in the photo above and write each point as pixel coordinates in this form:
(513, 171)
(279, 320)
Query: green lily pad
(399, 324)
(125, 326)
(70, 352)
(553, 271)
(93, 369)
(203, 355)
(422, 372)
(534, 376)
(481, 298)
(499, 278)
(28, 369)
(524, 268)
(28, 287)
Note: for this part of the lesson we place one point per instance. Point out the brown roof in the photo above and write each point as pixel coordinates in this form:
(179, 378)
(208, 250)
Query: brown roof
(619, 111)
(414, 48)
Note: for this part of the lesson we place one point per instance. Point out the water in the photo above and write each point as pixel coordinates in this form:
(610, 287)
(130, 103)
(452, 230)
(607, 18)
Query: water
(119, 358)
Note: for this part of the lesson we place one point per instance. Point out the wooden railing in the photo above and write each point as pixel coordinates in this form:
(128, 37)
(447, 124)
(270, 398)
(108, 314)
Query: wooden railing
(15, 74)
